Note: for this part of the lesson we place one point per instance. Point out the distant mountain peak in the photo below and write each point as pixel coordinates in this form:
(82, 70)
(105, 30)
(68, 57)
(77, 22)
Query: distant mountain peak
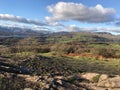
(16, 31)
(108, 33)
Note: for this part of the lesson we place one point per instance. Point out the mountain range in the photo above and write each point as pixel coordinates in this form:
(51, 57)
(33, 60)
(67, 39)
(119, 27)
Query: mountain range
(20, 32)
(24, 32)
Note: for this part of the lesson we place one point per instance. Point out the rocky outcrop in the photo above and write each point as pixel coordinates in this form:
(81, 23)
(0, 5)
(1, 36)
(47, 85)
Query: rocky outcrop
(90, 81)
(104, 81)
(90, 76)
(84, 81)
(113, 82)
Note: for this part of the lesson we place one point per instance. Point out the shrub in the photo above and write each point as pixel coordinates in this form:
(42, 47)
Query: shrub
(107, 53)
(41, 50)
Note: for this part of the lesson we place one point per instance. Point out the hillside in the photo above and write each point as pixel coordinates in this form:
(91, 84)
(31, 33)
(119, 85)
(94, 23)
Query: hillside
(60, 61)
(84, 36)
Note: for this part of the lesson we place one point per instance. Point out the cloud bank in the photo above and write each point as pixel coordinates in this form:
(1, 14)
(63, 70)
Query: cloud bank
(19, 19)
(74, 28)
(63, 11)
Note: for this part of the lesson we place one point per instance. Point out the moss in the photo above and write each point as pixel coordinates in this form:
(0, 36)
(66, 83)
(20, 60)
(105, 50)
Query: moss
(96, 78)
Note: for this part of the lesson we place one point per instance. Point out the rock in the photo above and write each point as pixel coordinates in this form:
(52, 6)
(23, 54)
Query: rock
(89, 76)
(8, 75)
(1, 76)
(81, 82)
(103, 77)
(44, 85)
(57, 82)
(98, 88)
(50, 79)
(104, 83)
(110, 83)
(60, 88)
(60, 82)
(58, 77)
(45, 77)
(31, 78)
(28, 89)
(47, 86)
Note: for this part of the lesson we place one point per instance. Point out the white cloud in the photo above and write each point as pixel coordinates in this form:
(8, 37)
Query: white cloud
(79, 12)
(13, 18)
(23, 26)
(54, 24)
(114, 29)
(74, 28)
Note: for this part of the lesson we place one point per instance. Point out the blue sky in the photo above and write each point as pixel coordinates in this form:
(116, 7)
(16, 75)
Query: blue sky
(62, 15)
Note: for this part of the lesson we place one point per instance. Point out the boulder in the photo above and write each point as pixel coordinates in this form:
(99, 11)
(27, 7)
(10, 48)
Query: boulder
(89, 76)
(110, 82)
(103, 77)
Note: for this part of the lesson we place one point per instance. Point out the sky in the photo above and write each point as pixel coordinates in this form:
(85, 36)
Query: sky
(62, 15)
